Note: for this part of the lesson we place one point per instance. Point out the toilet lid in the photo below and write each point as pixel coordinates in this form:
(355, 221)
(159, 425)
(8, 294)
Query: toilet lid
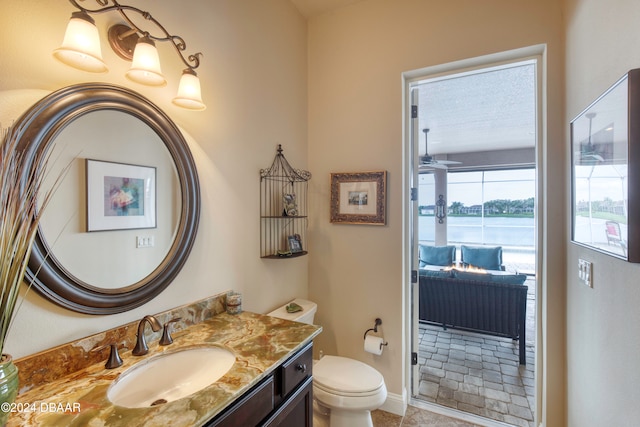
(341, 374)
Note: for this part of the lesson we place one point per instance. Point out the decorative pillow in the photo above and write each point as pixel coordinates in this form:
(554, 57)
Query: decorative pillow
(510, 279)
(488, 258)
(437, 255)
(439, 274)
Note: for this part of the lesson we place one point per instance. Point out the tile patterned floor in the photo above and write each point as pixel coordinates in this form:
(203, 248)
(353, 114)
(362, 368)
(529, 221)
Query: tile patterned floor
(416, 417)
(478, 374)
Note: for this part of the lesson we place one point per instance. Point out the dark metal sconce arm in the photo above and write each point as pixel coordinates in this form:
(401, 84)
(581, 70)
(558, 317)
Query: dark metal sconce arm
(192, 61)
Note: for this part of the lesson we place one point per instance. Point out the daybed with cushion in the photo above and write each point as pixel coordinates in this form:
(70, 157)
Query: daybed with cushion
(493, 303)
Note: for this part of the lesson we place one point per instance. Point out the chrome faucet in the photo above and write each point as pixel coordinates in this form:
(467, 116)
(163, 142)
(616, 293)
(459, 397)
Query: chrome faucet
(141, 344)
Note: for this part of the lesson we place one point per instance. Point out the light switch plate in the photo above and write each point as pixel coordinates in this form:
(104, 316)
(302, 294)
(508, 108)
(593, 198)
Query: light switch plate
(144, 242)
(585, 272)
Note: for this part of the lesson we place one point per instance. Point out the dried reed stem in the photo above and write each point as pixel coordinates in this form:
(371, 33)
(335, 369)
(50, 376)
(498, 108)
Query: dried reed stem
(20, 216)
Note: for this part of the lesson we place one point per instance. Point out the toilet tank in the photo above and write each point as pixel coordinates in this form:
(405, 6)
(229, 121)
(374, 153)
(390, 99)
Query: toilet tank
(305, 316)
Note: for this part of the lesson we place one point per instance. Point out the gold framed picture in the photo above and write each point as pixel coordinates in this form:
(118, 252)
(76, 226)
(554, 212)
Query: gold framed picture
(359, 198)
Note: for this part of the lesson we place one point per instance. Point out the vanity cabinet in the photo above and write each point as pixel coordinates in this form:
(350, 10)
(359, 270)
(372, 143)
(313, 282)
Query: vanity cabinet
(283, 399)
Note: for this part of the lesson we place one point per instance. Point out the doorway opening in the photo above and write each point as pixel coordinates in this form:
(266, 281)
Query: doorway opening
(474, 135)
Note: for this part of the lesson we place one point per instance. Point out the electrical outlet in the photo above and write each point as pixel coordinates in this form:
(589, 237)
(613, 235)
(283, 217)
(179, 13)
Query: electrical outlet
(585, 272)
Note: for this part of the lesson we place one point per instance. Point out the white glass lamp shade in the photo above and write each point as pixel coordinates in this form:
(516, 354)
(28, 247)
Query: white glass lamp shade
(189, 95)
(81, 45)
(145, 66)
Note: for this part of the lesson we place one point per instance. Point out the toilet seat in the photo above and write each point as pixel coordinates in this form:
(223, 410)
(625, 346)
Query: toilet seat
(346, 377)
(350, 403)
(344, 394)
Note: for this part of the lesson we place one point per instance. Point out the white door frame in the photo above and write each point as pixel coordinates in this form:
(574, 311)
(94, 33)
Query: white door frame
(412, 208)
(410, 173)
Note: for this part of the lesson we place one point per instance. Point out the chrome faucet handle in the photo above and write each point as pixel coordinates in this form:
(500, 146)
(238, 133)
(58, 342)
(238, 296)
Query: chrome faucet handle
(166, 333)
(141, 347)
(114, 360)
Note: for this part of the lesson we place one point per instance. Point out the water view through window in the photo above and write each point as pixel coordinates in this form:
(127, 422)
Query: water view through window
(483, 207)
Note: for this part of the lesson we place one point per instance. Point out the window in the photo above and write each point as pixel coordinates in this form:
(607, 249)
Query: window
(494, 207)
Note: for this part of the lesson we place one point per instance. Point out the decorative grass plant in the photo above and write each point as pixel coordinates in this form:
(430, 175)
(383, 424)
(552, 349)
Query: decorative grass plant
(19, 218)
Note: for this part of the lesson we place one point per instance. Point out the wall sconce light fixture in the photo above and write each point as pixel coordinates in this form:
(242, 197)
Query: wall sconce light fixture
(441, 205)
(81, 49)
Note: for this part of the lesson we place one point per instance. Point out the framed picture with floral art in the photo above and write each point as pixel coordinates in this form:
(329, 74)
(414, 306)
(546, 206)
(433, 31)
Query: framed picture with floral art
(120, 196)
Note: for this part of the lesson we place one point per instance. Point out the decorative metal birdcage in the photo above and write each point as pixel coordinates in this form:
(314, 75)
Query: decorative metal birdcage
(283, 209)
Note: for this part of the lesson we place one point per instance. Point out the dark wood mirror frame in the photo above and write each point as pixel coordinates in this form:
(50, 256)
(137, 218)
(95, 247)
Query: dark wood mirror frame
(37, 129)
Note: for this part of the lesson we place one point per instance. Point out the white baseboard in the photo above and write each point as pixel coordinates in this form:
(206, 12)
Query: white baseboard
(395, 404)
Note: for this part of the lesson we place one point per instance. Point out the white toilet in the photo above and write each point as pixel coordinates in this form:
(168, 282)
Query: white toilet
(345, 391)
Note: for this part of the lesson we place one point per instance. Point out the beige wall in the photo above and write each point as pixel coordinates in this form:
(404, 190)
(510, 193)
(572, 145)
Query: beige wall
(602, 323)
(356, 59)
(254, 83)
(254, 76)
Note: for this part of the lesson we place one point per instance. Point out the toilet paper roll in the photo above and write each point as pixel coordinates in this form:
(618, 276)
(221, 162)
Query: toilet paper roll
(373, 344)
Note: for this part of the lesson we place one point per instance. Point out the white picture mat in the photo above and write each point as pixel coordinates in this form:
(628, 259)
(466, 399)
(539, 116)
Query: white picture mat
(96, 218)
(365, 187)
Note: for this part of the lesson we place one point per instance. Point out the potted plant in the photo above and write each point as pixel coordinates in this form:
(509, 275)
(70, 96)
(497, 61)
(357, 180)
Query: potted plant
(20, 213)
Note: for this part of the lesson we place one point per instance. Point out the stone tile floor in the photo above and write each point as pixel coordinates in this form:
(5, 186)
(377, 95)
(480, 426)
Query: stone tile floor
(416, 417)
(478, 374)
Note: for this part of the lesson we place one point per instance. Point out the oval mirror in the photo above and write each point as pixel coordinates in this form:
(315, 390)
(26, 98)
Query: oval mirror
(122, 222)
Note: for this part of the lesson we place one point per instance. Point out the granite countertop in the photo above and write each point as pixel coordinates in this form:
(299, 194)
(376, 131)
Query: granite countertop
(260, 343)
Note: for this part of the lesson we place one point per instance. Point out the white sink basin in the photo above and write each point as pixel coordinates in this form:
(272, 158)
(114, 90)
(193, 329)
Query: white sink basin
(170, 376)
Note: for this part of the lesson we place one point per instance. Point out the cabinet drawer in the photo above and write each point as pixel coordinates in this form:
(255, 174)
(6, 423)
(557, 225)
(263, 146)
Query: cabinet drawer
(296, 370)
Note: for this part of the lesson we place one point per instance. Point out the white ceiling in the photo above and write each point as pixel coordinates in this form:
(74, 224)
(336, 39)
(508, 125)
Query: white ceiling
(311, 8)
(493, 109)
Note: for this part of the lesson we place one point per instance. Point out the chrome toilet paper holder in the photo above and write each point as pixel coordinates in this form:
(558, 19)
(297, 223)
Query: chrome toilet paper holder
(375, 329)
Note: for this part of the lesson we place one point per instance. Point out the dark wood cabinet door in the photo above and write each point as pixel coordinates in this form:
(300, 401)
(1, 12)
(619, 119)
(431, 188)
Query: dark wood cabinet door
(250, 410)
(298, 409)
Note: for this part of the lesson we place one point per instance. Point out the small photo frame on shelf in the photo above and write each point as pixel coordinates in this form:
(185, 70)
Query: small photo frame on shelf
(120, 196)
(290, 205)
(359, 198)
(295, 243)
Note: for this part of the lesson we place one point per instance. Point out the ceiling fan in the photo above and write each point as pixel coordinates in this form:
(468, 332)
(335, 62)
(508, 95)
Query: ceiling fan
(427, 161)
(588, 152)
